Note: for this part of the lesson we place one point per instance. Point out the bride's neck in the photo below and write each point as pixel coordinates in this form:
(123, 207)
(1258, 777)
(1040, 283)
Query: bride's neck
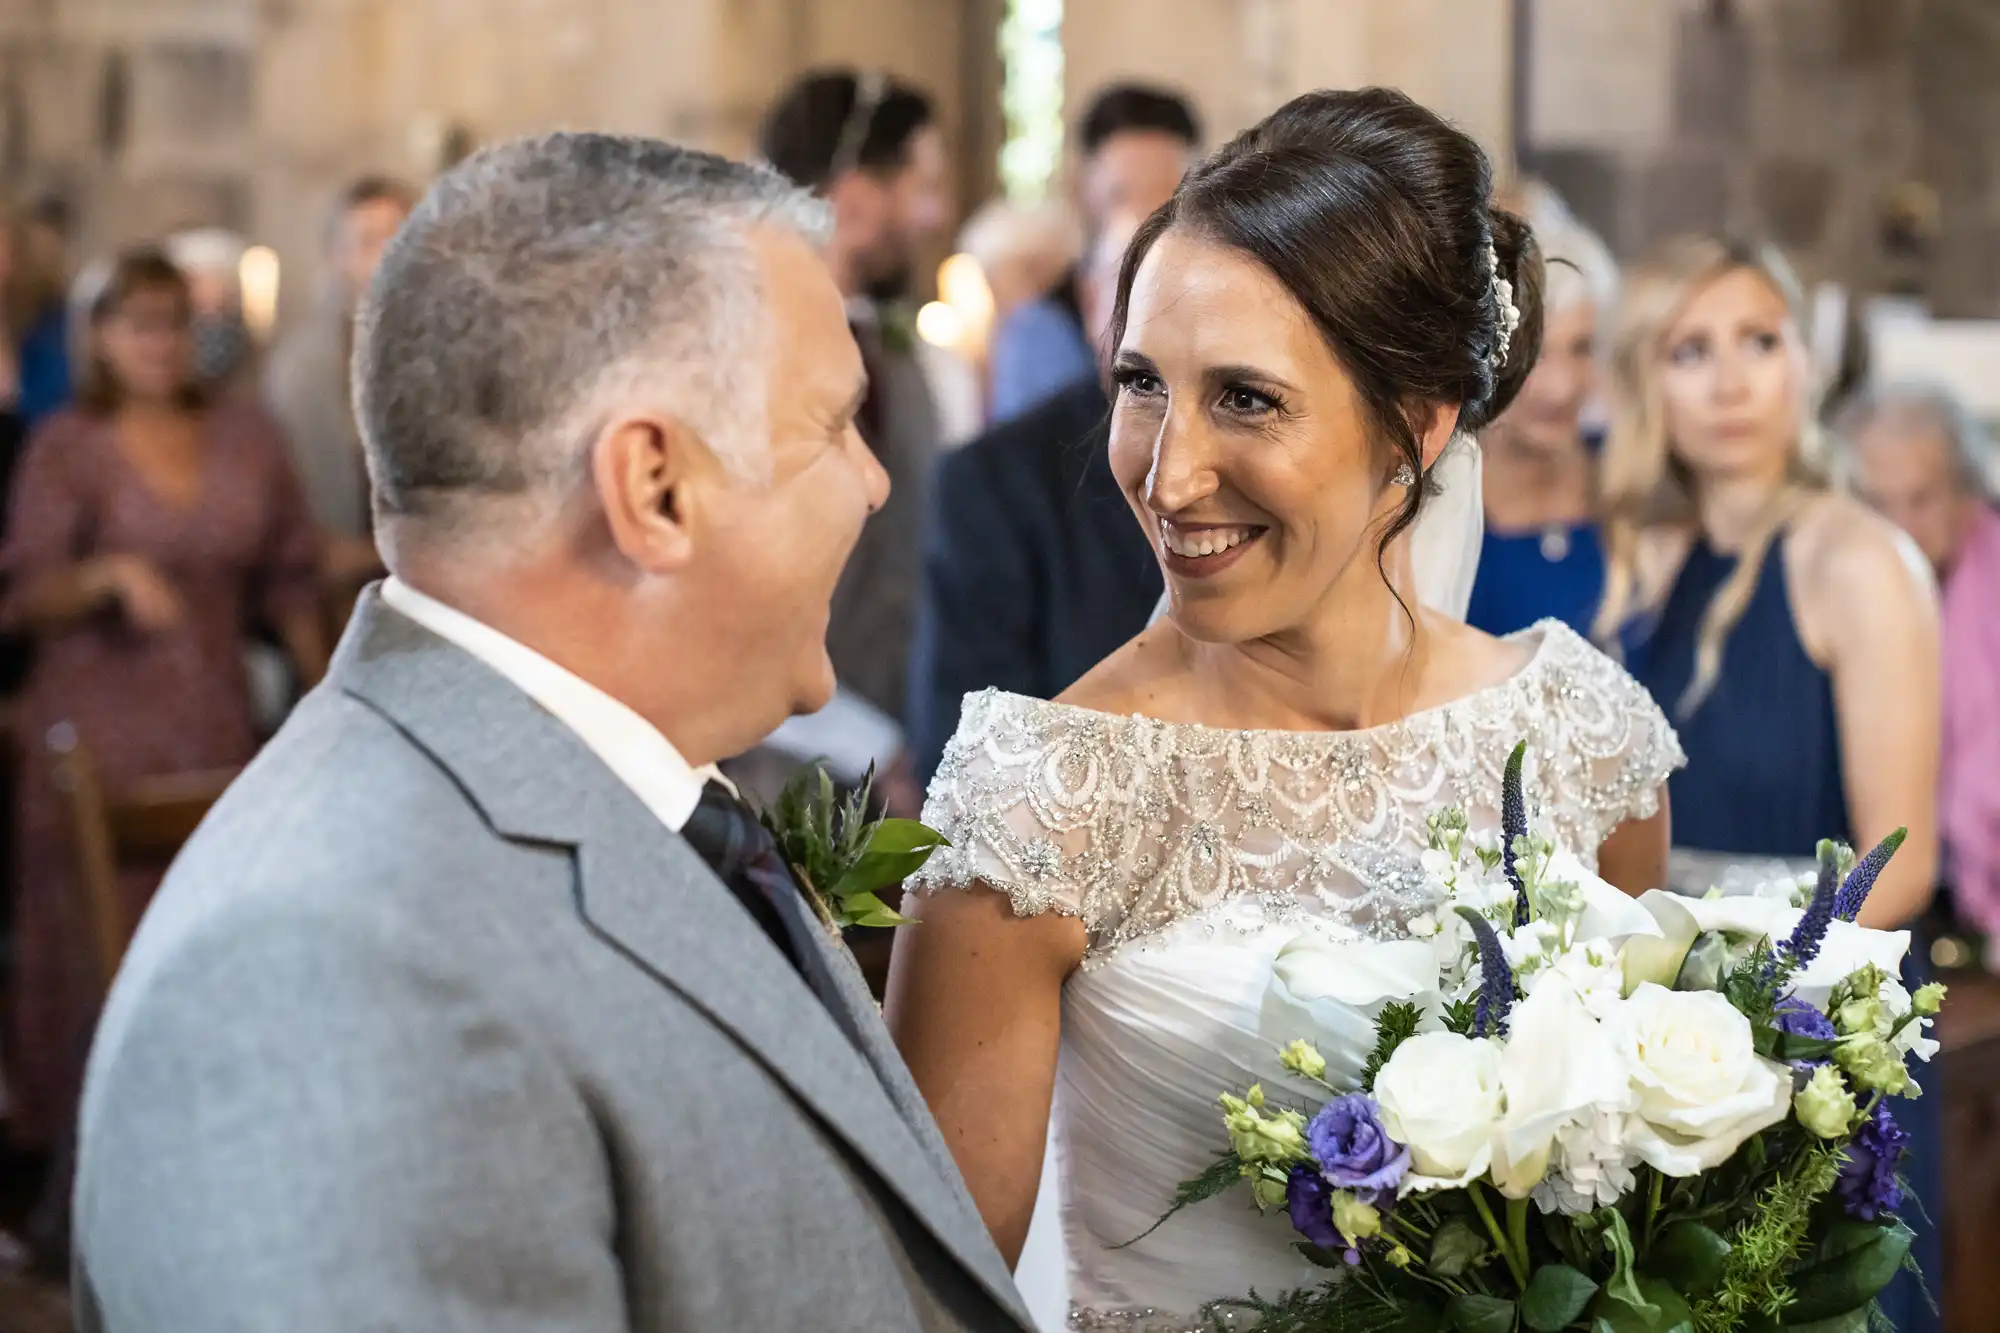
(1358, 661)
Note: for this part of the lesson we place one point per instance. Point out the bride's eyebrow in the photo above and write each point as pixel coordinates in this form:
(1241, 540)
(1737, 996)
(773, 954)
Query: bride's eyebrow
(1242, 374)
(1128, 359)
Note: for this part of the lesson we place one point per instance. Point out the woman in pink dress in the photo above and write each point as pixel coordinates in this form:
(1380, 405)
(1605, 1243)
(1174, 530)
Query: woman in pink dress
(150, 531)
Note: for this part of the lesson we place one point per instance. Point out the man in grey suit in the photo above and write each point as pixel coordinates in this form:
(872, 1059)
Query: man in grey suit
(441, 1022)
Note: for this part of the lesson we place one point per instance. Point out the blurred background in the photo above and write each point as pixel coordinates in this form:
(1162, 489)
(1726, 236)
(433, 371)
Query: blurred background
(270, 146)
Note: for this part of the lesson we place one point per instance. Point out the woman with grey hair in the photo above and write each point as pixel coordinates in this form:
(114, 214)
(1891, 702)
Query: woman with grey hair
(1541, 558)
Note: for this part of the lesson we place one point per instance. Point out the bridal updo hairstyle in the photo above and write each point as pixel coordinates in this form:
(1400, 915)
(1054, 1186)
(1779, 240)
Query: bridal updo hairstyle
(1376, 215)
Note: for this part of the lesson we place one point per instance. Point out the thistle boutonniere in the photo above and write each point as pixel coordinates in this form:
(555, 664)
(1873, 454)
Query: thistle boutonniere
(841, 858)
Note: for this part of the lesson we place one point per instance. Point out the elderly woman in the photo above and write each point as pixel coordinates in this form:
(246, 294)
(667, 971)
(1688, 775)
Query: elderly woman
(1541, 558)
(1914, 453)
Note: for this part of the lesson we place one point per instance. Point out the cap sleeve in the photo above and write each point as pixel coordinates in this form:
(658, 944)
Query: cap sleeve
(1621, 746)
(1019, 811)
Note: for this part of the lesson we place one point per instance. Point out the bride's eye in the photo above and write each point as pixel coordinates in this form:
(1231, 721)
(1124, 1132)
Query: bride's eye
(1138, 383)
(1242, 401)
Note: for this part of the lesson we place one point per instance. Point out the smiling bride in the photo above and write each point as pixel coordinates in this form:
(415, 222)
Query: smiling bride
(1307, 336)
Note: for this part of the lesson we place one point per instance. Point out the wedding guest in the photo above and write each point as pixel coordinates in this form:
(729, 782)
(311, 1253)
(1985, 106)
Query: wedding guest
(1917, 455)
(1033, 568)
(211, 259)
(1136, 141)
(1790, 632)
(306, 385)
(148, 526)
(1541, 557)
(870, 145)
(37, 311)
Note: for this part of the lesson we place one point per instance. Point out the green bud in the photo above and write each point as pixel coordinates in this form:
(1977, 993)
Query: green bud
(1256, 1137)
(1398, 1256)
(1873, 1064)
(1268, 1193)
(1824, 1105)
(1861, 1015)
(1928, 1000)
(1355, 1220)
(1301, 1058)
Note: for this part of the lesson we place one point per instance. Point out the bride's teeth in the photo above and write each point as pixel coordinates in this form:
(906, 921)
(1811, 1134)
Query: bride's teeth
(1213, 541)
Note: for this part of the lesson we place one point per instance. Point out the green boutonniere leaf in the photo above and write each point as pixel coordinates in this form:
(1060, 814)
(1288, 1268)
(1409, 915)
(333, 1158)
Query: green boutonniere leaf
(842, 859)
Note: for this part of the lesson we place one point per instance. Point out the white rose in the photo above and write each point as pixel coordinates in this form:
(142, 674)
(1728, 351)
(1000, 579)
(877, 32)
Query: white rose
(1440, 1093)
(1702, 1088)
(1330, 992)
(1559, 1067)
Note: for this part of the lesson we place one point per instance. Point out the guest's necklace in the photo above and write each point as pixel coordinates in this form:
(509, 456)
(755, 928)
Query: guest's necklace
(1555, 543)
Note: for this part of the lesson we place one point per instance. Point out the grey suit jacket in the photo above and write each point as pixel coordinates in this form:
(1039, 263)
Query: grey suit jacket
(434, 1026)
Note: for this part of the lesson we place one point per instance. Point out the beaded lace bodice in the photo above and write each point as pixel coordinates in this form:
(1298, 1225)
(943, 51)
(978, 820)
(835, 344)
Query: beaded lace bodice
(1133, 824)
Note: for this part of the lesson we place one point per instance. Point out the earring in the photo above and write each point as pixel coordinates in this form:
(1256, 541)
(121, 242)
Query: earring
(1406, 475)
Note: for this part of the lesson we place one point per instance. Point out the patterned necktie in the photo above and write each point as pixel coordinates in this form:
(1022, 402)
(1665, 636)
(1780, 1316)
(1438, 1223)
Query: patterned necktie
(744, 856)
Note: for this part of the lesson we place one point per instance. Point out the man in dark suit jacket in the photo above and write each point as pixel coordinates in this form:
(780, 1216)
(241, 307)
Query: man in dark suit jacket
(1035, 568)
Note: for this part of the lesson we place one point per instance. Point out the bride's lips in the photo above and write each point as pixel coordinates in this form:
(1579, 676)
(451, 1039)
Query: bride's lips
(1202, 550)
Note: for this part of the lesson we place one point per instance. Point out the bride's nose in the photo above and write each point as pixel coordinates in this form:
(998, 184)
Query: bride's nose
(1183, 468)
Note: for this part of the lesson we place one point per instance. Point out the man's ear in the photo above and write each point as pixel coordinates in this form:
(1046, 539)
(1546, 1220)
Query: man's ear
(652, 474)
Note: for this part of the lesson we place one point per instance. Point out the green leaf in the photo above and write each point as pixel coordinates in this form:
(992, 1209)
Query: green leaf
(1460, 1015)
(1661, 1310)
(1470, 1313)
(1618, 1239)
(1397, 1025)
(1221, 1174)
(1775, 1044)
(875, 871)
(1456, 1247)
(1852, 1262)
(1556, 1295)
(865, 909)
(1319, 1256)
(1854, 1321)
(1688, 1256)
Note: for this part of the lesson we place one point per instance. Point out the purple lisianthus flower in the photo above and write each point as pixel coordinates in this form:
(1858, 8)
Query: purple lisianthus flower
(1309, 1199)
(1353, 1149)
(1798, 1019)
(1868, 1186)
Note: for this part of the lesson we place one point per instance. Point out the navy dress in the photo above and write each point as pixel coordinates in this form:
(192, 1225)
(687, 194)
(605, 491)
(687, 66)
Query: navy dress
(1763, 779)
(1553, 573)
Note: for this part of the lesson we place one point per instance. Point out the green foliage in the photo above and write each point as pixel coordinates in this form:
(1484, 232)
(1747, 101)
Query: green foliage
(1397, 1025)
(1657, 1309)
(1689, 1256)
(1556, 1295)
(1456, 1247)
(1460, 1015)
(1849, 1266)
(1224, 1172)
(841, 858)
(1754, 1275)
(1474, 1313)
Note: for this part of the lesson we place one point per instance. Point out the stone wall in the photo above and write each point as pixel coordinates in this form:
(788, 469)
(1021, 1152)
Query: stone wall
(1805, 121)
(153, 114)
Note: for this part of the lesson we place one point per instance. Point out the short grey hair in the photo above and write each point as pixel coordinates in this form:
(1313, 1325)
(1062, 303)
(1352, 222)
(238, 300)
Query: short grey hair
(1917, 405)
(1578, 264)
(537, 283)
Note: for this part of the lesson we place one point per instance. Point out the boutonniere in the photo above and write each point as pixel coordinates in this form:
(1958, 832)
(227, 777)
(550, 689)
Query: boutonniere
(841, 858)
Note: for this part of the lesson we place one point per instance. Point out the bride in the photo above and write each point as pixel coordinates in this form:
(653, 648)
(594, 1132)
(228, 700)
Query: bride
(1306, 338)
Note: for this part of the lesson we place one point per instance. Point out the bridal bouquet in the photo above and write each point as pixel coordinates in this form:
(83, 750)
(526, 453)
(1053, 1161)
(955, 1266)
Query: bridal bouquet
(1581, 1111)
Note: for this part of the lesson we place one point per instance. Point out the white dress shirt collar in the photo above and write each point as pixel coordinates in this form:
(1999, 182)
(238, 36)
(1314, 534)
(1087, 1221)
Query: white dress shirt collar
(631, 747)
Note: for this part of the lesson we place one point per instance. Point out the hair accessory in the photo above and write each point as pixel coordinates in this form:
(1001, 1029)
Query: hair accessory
(870, 88)
(1506, 314)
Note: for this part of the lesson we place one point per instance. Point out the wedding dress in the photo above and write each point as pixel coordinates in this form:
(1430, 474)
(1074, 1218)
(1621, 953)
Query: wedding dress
(1192, 854)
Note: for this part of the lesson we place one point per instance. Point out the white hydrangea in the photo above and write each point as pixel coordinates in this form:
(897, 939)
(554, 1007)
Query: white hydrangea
(1592, 1167)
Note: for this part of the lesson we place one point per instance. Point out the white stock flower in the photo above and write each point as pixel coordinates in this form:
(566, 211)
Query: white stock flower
(1558, 1068)
(1592, 1167)
(1440, 1093)
(1702, 1088)
(1330, 992)
(1593, 969)
(1896, 1002)
(1609, 913)
(1530, 947)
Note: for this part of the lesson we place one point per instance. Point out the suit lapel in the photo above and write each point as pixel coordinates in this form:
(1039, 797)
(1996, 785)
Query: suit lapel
(646, 894)
(698, 941)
